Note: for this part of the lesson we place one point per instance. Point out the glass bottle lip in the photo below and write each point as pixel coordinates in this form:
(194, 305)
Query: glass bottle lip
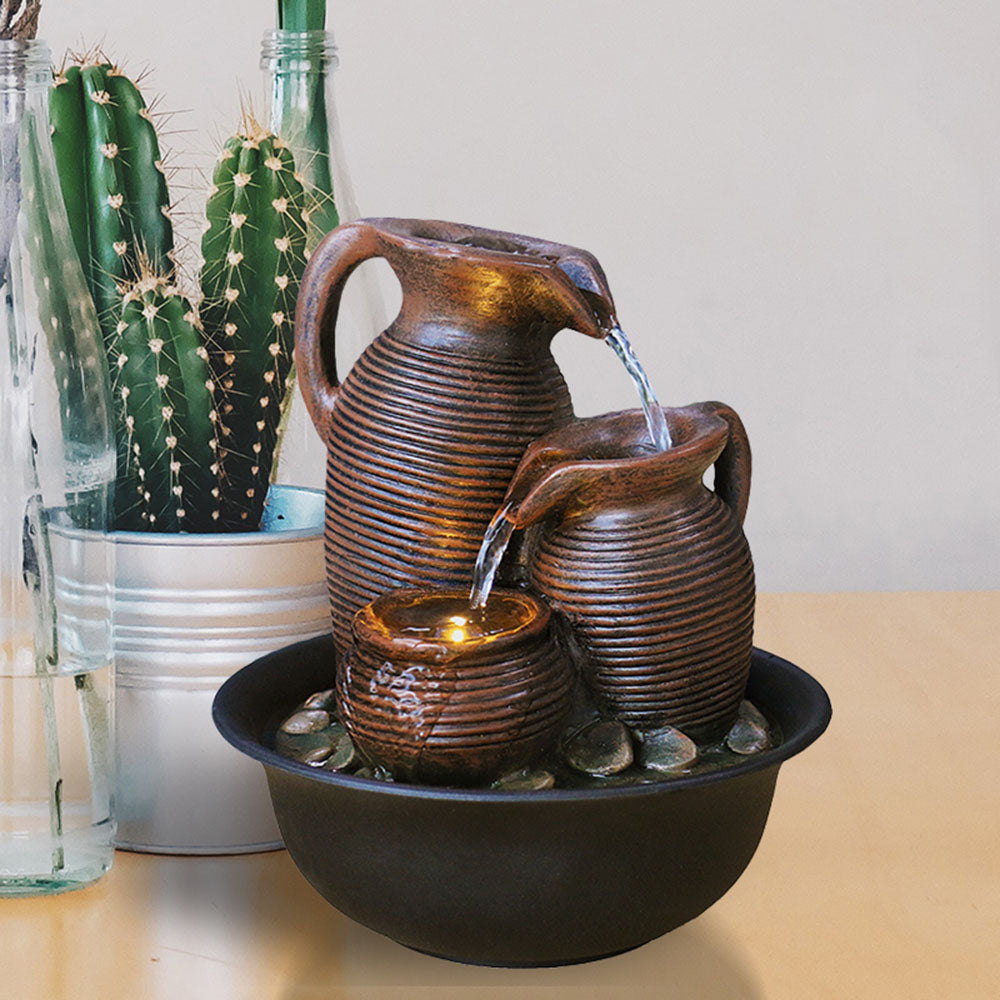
(24, 65)
(284, 49)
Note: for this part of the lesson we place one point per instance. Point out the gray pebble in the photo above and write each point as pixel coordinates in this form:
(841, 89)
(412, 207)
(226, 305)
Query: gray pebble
(344, 755)
(295, 745)
(601, 748)
(665, 749)
(525, 781)
(321, 699)
(316, 757)
(309, 721)
(749, 734)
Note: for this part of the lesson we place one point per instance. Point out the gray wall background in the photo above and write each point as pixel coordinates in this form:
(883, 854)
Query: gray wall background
(798, 206)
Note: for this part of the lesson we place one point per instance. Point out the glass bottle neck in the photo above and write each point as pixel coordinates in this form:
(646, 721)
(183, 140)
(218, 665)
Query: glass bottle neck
(25, 68)
(298, 52)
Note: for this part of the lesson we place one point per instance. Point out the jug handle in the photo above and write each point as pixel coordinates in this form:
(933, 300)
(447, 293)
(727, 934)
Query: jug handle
(732, 467)
(331, 264)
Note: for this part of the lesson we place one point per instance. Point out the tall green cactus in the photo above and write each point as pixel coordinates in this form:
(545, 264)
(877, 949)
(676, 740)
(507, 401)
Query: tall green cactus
(198, 400)
(254, 252)
(112, 176)
(170, 471)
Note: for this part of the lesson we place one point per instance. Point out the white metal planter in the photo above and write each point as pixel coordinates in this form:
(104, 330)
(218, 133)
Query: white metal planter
(190, 610)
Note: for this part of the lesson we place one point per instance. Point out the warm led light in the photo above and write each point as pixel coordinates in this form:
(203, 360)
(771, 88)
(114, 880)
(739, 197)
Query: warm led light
(458, 620)
(457, 635)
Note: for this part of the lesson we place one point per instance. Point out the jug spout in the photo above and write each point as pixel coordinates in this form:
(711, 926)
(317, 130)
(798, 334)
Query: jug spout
(574, 465)
(587, 275)
(549, 479)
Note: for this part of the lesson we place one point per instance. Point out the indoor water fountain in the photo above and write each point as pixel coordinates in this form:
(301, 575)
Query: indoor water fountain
(573, 762)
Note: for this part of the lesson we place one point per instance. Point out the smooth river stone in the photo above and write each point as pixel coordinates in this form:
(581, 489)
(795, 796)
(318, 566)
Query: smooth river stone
(749, 734)
(321, 699)
(343, 755)
(525, 781)
(316, 757)
(600, 749)
(665, 749)
(297, 745)
(310, 748)
(309, 721)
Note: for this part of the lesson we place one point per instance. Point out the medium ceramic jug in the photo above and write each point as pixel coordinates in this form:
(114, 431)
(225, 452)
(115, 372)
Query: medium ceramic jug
(426, 430)
(649, 566)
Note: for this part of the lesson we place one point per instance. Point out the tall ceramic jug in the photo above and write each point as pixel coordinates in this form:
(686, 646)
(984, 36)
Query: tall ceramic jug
(649, 566)
(426, 430)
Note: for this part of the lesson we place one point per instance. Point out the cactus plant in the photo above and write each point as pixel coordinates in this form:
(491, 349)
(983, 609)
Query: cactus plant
(169, 468)
(254, 251)
(112, 176)
(198, 398)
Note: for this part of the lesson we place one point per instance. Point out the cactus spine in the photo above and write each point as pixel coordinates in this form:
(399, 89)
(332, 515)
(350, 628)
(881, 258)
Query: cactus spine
(254, 252)
(112, 177)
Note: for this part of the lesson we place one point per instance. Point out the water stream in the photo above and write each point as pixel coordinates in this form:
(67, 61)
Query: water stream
(500, 529)
(491, 553)
(659, 433)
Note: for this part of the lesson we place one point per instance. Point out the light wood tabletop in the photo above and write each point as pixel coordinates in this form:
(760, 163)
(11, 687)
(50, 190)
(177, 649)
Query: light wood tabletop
(878, 874)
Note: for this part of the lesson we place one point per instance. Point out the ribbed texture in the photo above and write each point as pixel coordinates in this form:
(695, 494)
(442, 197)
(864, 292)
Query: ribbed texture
(460, 722)
(423, 445)
(663, 605)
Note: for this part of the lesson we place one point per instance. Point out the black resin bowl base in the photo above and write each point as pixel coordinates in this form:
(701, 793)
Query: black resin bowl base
(516, 879)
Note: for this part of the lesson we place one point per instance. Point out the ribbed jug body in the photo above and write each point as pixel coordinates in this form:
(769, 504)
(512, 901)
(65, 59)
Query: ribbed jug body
(423, 445)
(662, 599)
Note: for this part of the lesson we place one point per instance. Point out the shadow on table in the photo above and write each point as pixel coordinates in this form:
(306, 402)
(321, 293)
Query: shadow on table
(304, 949)
(694, 962)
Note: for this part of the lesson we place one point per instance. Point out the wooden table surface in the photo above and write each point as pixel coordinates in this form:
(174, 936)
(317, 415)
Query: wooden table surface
(878, 874)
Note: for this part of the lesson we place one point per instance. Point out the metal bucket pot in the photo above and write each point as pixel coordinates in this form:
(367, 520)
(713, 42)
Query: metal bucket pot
(190, 610)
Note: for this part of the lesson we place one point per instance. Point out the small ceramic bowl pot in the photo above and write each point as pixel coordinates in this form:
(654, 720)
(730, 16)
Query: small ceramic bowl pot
(439, 694)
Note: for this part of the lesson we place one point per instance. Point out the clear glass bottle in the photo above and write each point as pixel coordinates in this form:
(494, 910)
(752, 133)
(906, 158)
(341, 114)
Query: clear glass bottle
(298, 76)
(58, 463)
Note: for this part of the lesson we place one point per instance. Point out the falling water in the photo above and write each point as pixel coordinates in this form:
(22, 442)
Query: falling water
(659, 433)
(500, 529)
(491, 552)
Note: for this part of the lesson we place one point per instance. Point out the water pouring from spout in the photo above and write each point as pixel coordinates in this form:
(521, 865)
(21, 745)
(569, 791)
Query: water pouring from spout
(659, 433)
(491, 553)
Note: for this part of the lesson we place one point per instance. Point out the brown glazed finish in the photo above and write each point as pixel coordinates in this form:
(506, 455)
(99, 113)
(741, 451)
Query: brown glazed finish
(649, 566)
(444, 712)
(427, 429)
